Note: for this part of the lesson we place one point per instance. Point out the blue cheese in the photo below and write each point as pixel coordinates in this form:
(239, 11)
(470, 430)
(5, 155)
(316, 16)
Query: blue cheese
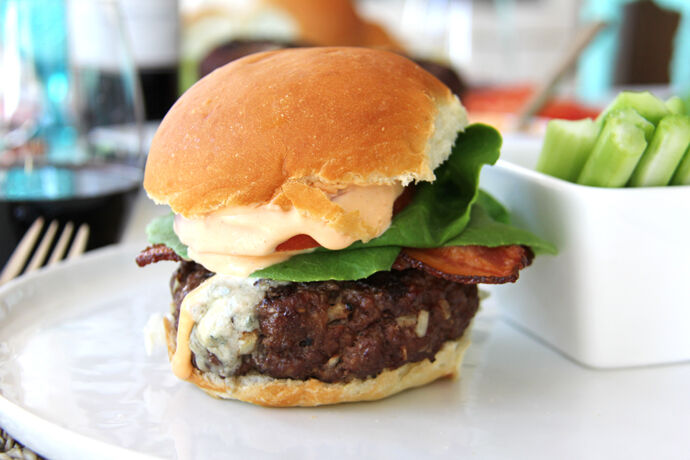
(223, 310)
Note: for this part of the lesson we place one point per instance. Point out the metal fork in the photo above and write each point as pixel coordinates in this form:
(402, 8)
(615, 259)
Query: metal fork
(26, 246)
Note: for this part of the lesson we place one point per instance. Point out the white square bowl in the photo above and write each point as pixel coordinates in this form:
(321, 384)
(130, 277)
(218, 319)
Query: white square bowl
(618, 292)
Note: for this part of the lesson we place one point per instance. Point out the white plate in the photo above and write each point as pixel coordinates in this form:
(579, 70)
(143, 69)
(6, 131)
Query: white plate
(76, 383)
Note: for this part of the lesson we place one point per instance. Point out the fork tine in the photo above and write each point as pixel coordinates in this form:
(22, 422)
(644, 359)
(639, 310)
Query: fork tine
(79, 243)
(42, 251)
(61, 245)
(21, 254)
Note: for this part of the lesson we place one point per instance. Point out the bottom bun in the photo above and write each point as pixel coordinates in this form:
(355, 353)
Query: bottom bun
(268, 391)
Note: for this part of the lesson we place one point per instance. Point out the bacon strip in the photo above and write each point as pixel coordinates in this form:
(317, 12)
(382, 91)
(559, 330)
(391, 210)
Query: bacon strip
(468, 264)
(156, 253)
(462, 264)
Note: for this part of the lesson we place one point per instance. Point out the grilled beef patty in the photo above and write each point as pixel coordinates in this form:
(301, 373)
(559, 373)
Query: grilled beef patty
(336, 331)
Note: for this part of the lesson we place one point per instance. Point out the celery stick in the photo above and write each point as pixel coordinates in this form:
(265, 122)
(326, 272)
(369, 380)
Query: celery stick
(566, 146)
(675, 105)
(645, 103)
(614, 156)
(660, 160)
(682, 175)
(633, 117)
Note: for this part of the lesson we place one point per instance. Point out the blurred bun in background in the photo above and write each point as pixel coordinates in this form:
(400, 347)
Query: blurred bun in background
(277, 24)
(260, 25)
(332, 23)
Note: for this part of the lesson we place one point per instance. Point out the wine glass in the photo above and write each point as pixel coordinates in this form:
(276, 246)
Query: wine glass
(70, 118)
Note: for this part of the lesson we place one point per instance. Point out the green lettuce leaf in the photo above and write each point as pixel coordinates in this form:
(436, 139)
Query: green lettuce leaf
(320, 265)
(160, 231)
(440, 210)
(450, 212)
(488, 226)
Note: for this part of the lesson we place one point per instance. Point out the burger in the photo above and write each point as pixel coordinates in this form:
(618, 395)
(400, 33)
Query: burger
(220, 34)
(214, 33)
(328, 226)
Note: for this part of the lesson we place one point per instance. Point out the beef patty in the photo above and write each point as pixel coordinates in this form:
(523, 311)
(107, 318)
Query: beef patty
(336, 331)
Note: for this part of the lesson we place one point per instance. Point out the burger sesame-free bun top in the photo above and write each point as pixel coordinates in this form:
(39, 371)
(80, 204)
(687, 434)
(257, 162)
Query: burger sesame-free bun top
(284, 126)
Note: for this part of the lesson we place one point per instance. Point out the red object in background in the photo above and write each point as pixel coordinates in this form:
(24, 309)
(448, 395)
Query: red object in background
(511, 99)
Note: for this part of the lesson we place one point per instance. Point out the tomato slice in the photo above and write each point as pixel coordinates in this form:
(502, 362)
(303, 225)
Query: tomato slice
(404, 199)
(298, 243)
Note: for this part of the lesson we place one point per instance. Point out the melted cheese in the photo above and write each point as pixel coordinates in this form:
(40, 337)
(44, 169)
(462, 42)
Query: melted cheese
(240, 240)
(241, 266)
(252, 231)
(215, 318)
(182, 359)
(373, 203)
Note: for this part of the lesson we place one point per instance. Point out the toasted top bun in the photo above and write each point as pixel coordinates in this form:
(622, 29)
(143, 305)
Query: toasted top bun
(286, 126)
(334, 23)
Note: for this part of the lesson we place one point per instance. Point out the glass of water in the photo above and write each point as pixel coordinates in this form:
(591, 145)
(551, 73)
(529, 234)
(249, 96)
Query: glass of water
(70, 118)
